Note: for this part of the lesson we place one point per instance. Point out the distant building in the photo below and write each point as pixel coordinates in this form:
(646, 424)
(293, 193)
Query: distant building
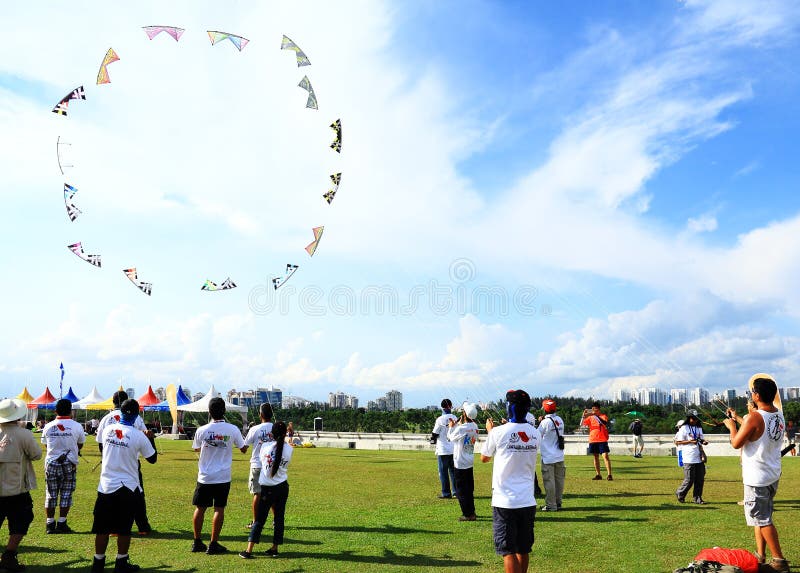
(698, 396)
(294, 402)
(730, 395)
(131, 393)
(197, 396)
(652, 397)
(340, 401)
(391, 402)
(790, 393)
(679, 396)
(622, 396)
(160, 393)
(254, 398)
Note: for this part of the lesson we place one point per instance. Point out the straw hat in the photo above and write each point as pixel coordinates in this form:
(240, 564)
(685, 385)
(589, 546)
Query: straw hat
(12, 409)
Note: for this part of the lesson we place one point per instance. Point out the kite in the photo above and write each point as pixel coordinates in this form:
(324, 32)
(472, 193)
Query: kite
(336, 126)
(102, 75)
(146, 288)
(72, 210)
(61, 107)
(209, 285)
(91, 259)
(312, 97)
(312, 246)
(336, 178)
(61, 166)
(277, 282)
(302, 59)
(153, 31)
(237, 41)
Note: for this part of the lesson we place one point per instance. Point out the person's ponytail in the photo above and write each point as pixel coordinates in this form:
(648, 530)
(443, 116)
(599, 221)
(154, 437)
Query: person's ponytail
(279, 435)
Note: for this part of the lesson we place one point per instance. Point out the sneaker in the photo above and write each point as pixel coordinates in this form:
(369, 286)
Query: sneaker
(98, 565)
(62, 527)
(779, 565)
(245, 555)
(680, 499)
(545, 508)
(215, 548)
(443, 496)
(50, 528)
(274, 552)
(9, 562)
(124, 565)
(597, 477)
(198, 546)
(467, 518)
(699, 501)
(610, 477)
(248, 527)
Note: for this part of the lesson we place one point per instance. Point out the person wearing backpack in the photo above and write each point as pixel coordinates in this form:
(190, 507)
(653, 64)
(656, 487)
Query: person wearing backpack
(551, 427)
(638, 440)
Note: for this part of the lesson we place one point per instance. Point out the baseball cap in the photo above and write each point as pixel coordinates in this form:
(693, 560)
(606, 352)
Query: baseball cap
(549, 406)
(519, 397)
(470, 410)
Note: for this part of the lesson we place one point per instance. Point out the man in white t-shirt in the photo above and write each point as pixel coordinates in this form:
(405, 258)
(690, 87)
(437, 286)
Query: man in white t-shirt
(760, 438)
(215, 442)
(463, 437)
(257, 436)
(114, 417)
(63, 438)
(515, 447)
(690, 442)
(444, 451)
(119, 489)
(551, 428)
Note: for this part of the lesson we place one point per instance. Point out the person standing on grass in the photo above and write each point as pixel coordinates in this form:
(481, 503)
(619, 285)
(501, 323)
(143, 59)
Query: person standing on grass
(515, 447)
(63, 438)
(638, 441)
(275, 458)
(598, 439)
(463, 437)
(215, 442)
(258, 436)
(114, 417)
(691, 456)
(759, 438)
(444, 451)
(18, 449)
(119, 487)
(551, 428)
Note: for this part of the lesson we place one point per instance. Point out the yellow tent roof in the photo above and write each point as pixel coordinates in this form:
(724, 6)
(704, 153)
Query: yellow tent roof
(105, 405)
(25, 396)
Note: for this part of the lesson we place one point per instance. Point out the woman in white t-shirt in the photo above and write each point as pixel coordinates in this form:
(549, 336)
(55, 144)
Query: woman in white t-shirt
(275, 458)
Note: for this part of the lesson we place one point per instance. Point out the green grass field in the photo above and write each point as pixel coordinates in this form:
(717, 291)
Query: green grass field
(355, 510)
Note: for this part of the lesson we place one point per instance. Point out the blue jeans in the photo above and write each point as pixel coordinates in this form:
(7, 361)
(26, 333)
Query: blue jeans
(447, 475)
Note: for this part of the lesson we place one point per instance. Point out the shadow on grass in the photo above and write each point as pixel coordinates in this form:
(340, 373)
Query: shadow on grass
(388, 558)
(72, 563)
(36, 549)
(662, 507)
(385, 529)
(266, 536)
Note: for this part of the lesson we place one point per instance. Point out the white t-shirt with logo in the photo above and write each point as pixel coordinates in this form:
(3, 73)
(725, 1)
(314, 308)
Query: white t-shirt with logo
(515, 448)
(463, 438)
(62, 436)
(216, 442)
(444, 447)
(690, 453)
(115, 417)
(551, 453)
(267, 459)
(258, 435)
(122, 446)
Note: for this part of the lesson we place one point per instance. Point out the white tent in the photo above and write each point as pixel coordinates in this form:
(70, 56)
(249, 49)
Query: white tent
(202, 404)
(93, 397)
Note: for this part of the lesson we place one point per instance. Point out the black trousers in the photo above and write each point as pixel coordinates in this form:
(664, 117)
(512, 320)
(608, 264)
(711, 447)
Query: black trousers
(140, 517)
(271, 496)
(465, 485)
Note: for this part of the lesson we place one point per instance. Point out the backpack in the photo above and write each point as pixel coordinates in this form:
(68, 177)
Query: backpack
(703, 566)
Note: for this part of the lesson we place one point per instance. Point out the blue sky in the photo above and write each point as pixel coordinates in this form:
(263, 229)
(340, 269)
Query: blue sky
(566, 197)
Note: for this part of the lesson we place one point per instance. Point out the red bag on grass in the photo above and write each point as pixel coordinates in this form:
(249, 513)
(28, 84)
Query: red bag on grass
(741, 558)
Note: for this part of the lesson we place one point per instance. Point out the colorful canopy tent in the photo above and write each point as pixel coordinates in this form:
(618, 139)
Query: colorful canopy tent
(182, 400)
(46, 401)
(93, 397)
(202, 405)
(104, 405)
(25, 396)
(70, 395)
(149, 398)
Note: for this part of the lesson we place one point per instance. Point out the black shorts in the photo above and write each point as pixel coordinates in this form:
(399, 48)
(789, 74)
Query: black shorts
(211, 494)
(599, 448)
(19, 511)
(114, 512)
(513, 529)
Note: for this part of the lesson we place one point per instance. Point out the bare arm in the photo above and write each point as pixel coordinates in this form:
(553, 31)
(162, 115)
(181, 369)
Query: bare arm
(751, 425)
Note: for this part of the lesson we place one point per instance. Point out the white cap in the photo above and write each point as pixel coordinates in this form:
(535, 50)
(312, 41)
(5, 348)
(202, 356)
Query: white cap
(471, 410)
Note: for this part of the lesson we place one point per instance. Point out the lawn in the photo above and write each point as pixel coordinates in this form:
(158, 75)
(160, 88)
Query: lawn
(356, 510)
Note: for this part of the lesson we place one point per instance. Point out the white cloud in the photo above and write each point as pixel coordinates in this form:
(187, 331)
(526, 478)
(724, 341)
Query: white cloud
(701, 224)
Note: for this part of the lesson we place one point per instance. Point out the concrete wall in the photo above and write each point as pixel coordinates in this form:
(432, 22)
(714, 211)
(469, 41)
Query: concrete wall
(575, 445)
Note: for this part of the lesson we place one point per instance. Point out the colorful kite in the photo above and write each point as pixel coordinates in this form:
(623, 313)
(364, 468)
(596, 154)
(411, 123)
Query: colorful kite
(72, 210)
(91, 259)
(312, 97)
(153, 31)
(237, 41)
(102, 75)
(302, 59)
(312, 246)
(336, 178)
(277, 282)
(146, 288)
(62, 164)
(61, 107)
(209, 285)
(336, 126)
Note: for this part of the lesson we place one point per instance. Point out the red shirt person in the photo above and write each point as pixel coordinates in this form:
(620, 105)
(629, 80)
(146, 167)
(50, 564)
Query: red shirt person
(598, 438)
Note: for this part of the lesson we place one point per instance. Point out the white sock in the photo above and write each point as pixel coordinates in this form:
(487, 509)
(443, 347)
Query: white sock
(62, 519)
(51, 520)
(99, 555)
(121, 556)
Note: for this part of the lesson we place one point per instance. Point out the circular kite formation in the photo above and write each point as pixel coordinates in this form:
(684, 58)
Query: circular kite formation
(103, 77)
